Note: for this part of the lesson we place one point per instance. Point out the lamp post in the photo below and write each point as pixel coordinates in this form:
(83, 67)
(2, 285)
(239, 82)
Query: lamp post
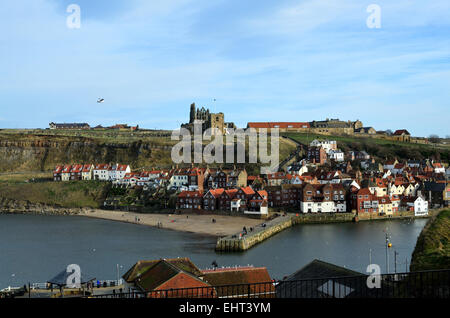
(388, 245)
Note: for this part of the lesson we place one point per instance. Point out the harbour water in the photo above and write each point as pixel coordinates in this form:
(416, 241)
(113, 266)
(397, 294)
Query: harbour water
(35, 248)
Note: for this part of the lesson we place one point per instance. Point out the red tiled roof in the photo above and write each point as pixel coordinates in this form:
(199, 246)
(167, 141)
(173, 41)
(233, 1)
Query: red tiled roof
(231, 192)
(248, 190)
(58, 169)
(102, 166)
(190, 194)
(67, 169)
(77, 168)
(269, 125)
(400, 132)
(86, 168)
(216, 192)
(121, 167)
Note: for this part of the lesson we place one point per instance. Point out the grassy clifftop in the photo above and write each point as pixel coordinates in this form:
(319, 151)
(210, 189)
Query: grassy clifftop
(432, 249)
(72, 194)
(41, 150)
(381, 148)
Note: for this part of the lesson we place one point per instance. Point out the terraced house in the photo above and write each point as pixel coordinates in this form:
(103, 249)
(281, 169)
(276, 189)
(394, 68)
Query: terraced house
(190, 200)
(320, 198)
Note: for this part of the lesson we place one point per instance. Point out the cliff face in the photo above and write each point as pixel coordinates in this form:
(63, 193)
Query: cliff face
(42, 153)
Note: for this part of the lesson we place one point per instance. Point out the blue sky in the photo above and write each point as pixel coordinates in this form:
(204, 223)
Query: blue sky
(261, 60)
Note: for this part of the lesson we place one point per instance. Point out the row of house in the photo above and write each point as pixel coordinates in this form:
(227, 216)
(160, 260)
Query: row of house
(104, 172)
(243, 199)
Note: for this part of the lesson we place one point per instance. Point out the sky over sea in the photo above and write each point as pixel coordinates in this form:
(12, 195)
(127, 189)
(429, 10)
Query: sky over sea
(253, 60)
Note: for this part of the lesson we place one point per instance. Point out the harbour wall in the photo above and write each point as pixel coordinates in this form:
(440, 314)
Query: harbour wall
(240, 243)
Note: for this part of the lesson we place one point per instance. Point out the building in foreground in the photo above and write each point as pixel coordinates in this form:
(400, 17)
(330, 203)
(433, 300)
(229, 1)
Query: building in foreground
(163, 278)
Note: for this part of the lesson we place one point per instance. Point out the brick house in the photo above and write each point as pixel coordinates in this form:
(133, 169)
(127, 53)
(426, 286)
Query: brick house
(196, 178)
(366, 201)
(190, 200)
(156, 277)
(210, 199)
(284, 195)
(323, 198)
(316, 155)
(217, 179)
(226, 198)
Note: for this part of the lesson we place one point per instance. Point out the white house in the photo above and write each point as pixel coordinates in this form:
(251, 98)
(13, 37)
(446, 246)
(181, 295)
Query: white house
(336, 155)
(87, 172)
(438, 168)
(235, 204)
(101, 172)
(420, 206)
(177, 180)
(327, 145)
(411, 190)
(395, 189)
(121, 170)
(118, 171)
(65, 174)
(323, 207)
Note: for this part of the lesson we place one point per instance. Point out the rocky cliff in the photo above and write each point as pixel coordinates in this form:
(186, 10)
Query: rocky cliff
(42, 153)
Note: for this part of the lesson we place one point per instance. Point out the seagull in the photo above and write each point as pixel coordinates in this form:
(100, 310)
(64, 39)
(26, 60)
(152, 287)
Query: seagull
(100, 100)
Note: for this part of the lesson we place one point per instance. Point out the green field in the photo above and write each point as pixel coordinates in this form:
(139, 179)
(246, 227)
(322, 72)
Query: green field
(71, 194)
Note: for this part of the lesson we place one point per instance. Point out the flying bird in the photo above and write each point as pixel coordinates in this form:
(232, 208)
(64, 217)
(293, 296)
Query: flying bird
(100, 100)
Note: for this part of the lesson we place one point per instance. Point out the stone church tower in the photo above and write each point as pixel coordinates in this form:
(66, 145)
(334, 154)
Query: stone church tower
(192, 113)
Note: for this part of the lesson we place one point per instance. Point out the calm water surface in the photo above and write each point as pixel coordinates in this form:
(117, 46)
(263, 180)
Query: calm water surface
(36, 248)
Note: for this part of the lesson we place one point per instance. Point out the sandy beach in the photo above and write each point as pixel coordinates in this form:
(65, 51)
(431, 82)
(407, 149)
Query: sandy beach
(200, 224)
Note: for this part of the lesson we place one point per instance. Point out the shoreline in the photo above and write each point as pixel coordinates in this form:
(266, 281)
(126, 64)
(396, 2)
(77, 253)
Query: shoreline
(189, 223)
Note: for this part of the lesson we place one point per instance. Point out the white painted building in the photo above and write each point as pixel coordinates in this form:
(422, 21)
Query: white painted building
(336, 155)
(327, 145)
(87, 172)
(101, 172)
(178, 180)
(323, 207)
(420, 206)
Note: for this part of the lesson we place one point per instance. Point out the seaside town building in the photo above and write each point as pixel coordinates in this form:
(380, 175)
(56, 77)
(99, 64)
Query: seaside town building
(314, 184)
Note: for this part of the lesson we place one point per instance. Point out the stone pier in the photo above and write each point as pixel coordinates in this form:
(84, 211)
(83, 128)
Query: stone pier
(235, 243)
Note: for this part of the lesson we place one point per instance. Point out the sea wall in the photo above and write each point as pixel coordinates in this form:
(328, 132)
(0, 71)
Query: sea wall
(314, 218)
(235, 243)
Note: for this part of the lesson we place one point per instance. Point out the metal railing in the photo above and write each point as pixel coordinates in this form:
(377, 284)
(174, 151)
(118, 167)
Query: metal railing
(424, 284)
